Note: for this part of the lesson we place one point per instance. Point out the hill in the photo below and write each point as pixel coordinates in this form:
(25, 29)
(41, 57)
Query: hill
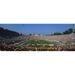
(5, 33)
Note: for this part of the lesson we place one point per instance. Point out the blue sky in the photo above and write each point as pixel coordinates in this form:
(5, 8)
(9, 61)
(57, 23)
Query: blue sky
(37, 28)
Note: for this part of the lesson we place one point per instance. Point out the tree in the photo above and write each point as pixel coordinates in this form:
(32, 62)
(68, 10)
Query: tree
(57, 33)
(69, 31)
